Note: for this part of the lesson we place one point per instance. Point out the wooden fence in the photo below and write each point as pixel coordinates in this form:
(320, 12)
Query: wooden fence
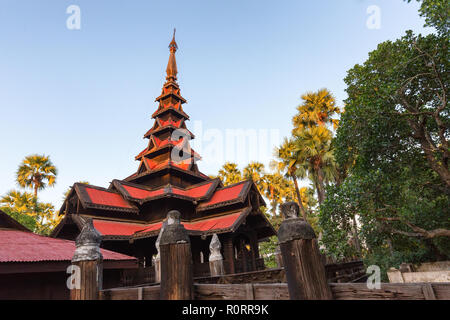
(279, 291)
(304, 276)
(352, 271)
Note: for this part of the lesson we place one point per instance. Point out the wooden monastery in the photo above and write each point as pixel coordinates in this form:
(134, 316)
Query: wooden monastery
(130, 212)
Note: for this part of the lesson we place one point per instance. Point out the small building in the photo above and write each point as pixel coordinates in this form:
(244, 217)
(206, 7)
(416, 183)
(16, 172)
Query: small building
(35, 267)
(129, 213)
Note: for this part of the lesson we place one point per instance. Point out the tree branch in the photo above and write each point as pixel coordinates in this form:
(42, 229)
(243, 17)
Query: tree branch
(418, 232)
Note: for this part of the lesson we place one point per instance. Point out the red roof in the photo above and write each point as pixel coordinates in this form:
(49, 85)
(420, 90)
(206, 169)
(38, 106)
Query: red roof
(22, 246)
(106, 227)
(195, 192)
(115, 228)
(106, 198)
(141, 193)
(225, 194)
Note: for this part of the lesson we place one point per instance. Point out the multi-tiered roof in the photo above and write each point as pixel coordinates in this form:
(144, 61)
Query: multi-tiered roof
(168, 157)
(167, 178)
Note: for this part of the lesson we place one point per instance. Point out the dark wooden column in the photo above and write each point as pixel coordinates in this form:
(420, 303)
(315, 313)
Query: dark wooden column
(176, 261)
(305, 272)
(228, 251)
(87, 264)
(244, 252)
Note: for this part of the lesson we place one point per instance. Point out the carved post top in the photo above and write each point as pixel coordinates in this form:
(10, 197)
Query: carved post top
(214, 248)
(174, 231)
(173, 217)
(293, 227)
(290, 210)
(88, 244)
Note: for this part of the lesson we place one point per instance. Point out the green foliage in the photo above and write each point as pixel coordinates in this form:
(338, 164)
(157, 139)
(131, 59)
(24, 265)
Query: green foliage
(26, 209)
(267, 248)
(392, 139)
(436, 13)
(24, 219)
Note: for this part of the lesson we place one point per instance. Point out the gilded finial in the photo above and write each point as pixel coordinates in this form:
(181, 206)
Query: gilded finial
(173, 44)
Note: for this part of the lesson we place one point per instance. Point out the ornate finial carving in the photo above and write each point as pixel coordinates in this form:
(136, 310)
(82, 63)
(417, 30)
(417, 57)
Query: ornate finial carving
(88, 244)
(292, 226)
(214, 248)
(289, 210)
(173, 43)
(171, 69)
(173, 217)
(174, 232)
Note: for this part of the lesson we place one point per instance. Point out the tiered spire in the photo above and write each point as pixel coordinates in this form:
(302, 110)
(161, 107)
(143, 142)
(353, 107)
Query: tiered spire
(169, 132)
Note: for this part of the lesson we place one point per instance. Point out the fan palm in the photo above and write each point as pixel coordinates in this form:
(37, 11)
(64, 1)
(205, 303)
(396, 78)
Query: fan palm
(316, 110)
(314, 145)
(36, 172)
(230, 173)
(255, 171)
(292, 165)
(21, 202)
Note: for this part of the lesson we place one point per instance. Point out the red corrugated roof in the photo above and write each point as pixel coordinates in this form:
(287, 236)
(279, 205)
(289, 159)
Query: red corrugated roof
(22, 246)
(114, 228)
(106, 198)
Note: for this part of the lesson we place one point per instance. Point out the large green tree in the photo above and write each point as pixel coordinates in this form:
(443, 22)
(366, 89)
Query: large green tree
(394, 133)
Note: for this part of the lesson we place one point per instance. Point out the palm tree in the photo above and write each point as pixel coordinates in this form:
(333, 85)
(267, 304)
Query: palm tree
(230, 173)
(277, 189)
(314, 145)
(36, 172)
(292, 164)
(255, 171)
(21, 202)
(316, 110)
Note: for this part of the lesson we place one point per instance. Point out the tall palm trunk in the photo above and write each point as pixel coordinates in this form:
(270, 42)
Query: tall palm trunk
(320, 186)
(299, 197)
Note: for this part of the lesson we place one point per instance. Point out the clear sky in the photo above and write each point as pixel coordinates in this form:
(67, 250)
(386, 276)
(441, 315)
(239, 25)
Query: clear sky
(85, 96)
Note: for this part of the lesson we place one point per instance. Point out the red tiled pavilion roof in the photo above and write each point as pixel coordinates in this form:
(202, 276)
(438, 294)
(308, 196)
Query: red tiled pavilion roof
(196, 192)
(106, 198)
(227, 194)
(208, 225)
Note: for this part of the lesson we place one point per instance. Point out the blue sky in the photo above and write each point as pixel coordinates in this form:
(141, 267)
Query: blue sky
(85, 96)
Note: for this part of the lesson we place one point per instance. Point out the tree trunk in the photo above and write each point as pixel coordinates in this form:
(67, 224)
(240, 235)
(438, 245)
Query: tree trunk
(355, 236)
(320, 186)
(299, 197)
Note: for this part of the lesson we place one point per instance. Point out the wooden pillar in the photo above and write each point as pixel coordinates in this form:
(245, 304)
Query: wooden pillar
(87, 263)
(176, 261)
(305, 272)
(244, 254)
(278, 257)
(229, 254)
(215, 257)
